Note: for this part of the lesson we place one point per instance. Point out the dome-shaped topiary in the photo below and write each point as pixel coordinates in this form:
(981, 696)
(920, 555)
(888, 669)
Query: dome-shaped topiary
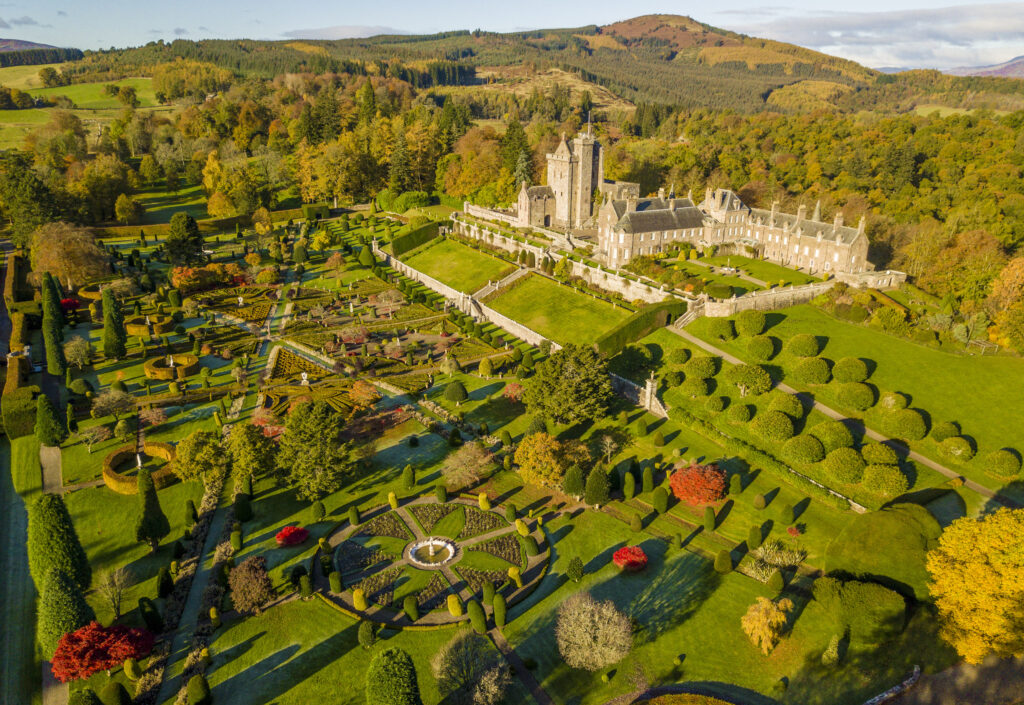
(803, 449)
(850, 369)
(773, 426)
(803, 345)
(844, 465)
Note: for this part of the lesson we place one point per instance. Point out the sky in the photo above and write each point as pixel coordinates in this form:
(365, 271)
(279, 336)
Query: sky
(880, 33)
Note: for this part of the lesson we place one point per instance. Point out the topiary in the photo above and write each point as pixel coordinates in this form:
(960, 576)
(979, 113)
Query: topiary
(943, 430)
(803, 345)
(811, 370)
(754, 537)
(789, 404)
(958, 448)
(679, 356)
(113, 693)
(164, 582)
(86, 696)
(1004, 462)
(366, 634)
(735, 484)
(723, 562)
(773, 426)
(855, 395)
(710, 520)
(879, 454)
(530, 544)
(776, 583)
(636, 523)
(702, 367)
(454, 605)
(844, 465)
(721, 328)
(335, 582)
(411, 608)
(893, 401)
(740, 413)
(714, 404)
(760, 502)
(803, 449)
(885, 480)
(695, 387)
(907, 424)
(243, 507)
(660, 500)
(305, 587)
(359, 599)
(499, 610)
(750, 322)
(850, 369)
(441, 494)
(198, 690)
(477, 618)
(832, 434)
(761, 348)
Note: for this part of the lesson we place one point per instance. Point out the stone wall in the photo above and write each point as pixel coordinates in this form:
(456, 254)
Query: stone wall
(514, 327)
(505, 216)
(885, 279)
(482, 233)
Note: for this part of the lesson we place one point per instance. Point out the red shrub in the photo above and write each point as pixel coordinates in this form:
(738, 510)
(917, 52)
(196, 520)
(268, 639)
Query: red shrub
(69, 305)
(794, 531)
(291, 536)
(698, 484)
(630, 558)
(513, 392)
(95, 648)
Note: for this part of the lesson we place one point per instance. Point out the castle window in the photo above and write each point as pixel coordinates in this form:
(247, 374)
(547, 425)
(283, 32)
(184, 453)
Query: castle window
(806, 249)
(835, 257)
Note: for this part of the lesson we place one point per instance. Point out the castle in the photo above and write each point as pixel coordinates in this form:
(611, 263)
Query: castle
(577, 197)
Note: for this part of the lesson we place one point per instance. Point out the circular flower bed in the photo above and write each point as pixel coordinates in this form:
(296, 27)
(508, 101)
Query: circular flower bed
(127, 484)
(630, 559)
(291, 536)
(185, 364)
(161, 323)
(92, 292)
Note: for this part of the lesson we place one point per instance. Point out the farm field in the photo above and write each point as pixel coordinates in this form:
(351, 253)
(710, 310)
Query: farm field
(556, 311)
(457, 265)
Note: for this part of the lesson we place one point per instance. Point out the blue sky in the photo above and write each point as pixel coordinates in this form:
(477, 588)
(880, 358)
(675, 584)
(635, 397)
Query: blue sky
(879, 33)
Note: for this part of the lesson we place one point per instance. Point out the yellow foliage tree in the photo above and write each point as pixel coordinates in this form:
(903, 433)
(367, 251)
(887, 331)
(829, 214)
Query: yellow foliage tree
(540, 460)
(219, 206)
(977, 580)
(765, 622)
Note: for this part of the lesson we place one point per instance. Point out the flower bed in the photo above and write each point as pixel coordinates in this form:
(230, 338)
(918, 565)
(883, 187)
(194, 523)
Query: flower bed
(480, 522)
(380, 587)
(630, 559)
(288, 365)
(352, 557)
(505, 547)
(128, 484)
(291, 536)
(161, 323)
(387, 524)
(185, 364)
(434, 595)
(475, 579)
(429, 514)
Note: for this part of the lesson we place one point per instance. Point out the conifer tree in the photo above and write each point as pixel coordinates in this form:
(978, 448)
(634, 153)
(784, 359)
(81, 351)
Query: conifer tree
(597, 492)
(572, 483)
(114, 335)
(62, 609)
(49, 430)
(391, 679)
(53, 543)
(152, 524)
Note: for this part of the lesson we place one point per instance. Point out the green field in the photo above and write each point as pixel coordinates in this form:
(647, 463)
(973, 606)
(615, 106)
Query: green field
(768, 272)
(459, 266)
(556, 311)
(23, 77)
(90, 96)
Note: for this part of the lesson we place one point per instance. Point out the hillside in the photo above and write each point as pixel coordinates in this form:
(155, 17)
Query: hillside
(21, 45)
(664, 59)
(1014, 68)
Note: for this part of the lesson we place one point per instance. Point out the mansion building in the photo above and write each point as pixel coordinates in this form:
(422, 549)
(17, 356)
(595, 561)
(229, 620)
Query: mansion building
(578, 197)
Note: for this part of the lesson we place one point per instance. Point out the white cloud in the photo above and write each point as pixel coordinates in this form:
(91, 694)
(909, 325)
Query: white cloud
(963, 35)
(341, 32)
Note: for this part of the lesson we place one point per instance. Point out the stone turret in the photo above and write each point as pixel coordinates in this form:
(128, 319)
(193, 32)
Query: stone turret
(707, 198)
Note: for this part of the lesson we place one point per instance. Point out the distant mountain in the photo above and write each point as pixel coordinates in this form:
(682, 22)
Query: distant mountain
(1014, 68)
(21, 45)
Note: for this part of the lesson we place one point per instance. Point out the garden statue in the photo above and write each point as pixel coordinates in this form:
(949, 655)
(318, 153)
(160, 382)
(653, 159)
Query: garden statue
(241, 301)
(305, 378)
(138, 460)
(147, 319)
(170, 361)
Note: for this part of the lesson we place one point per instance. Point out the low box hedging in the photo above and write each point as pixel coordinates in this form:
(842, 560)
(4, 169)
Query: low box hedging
(640, 324)
(157, 367)
(315, 211)
(411, 240)
(127, 484)
(136, 325)
(18, 405)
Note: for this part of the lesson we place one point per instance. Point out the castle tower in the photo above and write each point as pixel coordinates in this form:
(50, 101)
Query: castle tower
(587, 153)
(561, 170)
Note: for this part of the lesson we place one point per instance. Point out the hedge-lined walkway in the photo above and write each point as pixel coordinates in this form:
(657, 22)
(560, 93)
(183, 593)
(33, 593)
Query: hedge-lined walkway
(536, 568)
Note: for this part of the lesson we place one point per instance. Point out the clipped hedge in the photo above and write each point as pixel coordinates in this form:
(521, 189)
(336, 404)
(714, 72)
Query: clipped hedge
(413, 239)
(832, 434)
(803, 449)
(887, 481)
(1003, 463)
(127, 484)
(773, 426)
(750, 322)
(856, 395)
(803, 345)
(906, 424)
(958, 448)
(19, 332)
(879, 454)
(18, 405)
(642, 323)
(844, 465)
(812, 370)
(315, 211)
(850, 369)
(943, 430)
(702, 367)
(740, 413)
(786, 403)
(761, 348)
(157, 367)
(160, 323)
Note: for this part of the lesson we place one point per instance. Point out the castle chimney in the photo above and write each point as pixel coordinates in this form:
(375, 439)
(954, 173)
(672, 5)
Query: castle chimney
(689, 195)
(672, 204)
(839, 220)
(860, 226)
(661, 193)
(801, 212)
(631, 204)
(707, 198)
(775, 209)
(817, 212)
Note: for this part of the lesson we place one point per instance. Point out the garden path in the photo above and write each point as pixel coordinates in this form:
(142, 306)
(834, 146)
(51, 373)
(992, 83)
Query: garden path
(992, 682)
(833, 414)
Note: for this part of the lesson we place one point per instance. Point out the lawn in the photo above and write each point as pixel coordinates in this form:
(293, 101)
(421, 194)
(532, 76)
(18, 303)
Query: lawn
(556, 311)
(24, 77)
(981, 393)
(768, 272)
(160, 205)
(457, 265)
(90, 96)
(739, 286)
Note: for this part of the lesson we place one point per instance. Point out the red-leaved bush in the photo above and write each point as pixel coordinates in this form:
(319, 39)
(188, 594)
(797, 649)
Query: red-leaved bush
(794, 531)
(630, 558)
(698, 484)
(513, 392)
(95, 648)
(69, 304)
(291, 536)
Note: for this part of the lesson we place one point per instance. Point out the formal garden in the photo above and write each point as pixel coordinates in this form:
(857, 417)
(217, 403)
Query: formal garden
(281, 465)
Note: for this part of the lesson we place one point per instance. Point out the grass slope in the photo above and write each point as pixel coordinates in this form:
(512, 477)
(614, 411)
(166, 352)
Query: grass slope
(459, 266)
(557, 312)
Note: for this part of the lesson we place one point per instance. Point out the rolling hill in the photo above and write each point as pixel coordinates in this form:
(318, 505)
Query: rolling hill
(1014, 68)
(664, 59)
(21, 45)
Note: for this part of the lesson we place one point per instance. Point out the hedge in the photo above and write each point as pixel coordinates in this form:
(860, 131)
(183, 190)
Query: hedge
(157, 367)
(702, 367)
(832, 434)
(740, 413)
(18, 405)
(721, 328)
(1004, 462)
(315, 211)
(788, 404)
(906, 424)
(773, 426)
(127, 484)
(856, 395)
(19, 332)
(850, 369)
(761, 348)
(885, 480)
(880, 454)
(844, 465)
(413, 239)
(812, 370)
(750, 322)
(958, 448)
(943, 430)
(803, 345)
(803, 449)
(640, 324)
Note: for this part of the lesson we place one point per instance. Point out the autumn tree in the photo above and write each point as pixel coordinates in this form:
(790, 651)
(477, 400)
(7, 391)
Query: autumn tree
(467, 465)
(69, 253)
(199, 455)
(251, 586)
(592, 635)
(572, 385)
(127, 209)
(698, 484)
(765, 622)
(543, 459)
(977, 581)
(94, 648)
